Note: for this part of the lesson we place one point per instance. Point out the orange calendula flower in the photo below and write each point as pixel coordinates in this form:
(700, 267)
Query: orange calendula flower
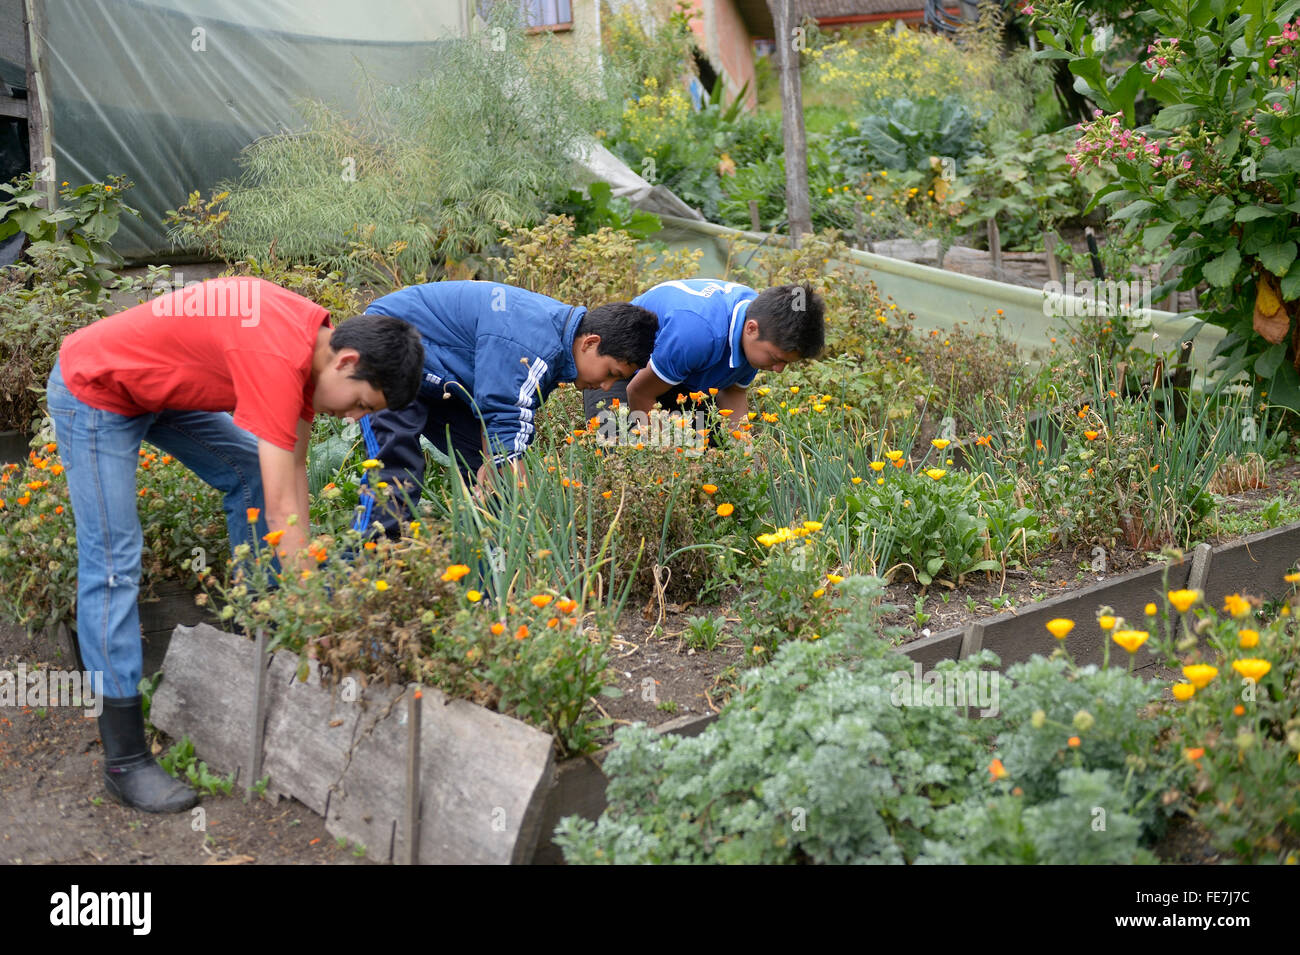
(725, 510)
(1060, 627)
(607, 494)
(1292, 578)
(997, 770)
(552, 623)
(713, 391)
(1236, 605)
(566, 605)
(58, 509)
(1246, 639)
(540, 600)
(455, 572)
(770, 418)
(697, 396)
(1038, 443)
(1200, 674)
(985, 440)
(1194, 754)
(1184, 600)
(252, 514)
(498, 629)
(1183, 691)
(710, 488)
(51, 448)
(1252, 669)
(613, 403)
(726, 412)
(24, 500)
(1074, 742)
(1238, 710)
(56, 469)
(1107, 622)
(273, 537)
(1130, 640)
(369, 545)
(522, 632)
(1091, 435)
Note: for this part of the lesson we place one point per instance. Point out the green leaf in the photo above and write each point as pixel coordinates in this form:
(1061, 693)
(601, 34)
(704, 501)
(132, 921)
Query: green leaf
(1219, 207)
(1155, 235)
(1277, 258)
(1291, 286)
(612, 692)
(1220, 271)
(1180, 114)
(1250, 213)
(1267, 363)
(1133, 208)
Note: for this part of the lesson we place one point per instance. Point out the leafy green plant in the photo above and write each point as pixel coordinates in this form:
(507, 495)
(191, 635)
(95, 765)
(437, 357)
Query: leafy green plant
(597, 208)
(181, 763)
(905, 133)
(1211, 179)
(704, 633)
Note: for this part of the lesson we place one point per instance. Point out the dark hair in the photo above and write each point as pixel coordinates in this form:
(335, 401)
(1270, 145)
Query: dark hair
(391, 355)
(627, 331)
(791, 318)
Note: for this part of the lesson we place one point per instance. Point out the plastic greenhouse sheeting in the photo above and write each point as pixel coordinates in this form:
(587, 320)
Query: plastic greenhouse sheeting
(939, 299)
(167, 92)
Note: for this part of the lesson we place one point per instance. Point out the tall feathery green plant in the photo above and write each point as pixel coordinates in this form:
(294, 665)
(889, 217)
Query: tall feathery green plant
(423, 171)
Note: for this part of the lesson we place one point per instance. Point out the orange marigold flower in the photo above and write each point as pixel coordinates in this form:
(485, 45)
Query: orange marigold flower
(613, 403)
(1074, 742)
(607, 494)
(25, 500)
(1091, 435)
(1038, 443)
(986, 440)
(710, 488)
(56, 469)
(997, 770)
(498, 629)
(454, 572)
(726, 412)
(522, 632)
(369, 545)
(540, 600)
(725, 510)
(1238, 710)
(552, 623)
(252, 514)
(713, 391)
(1194, 754)
(59, 509)
(51, 448)
(273, 537)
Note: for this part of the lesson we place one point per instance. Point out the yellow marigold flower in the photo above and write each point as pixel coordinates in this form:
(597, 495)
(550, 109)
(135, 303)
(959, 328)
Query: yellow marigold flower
(935, 473)
(812, 525)
(819, 592)
(893, 455)
(381, 585)
(725, 412)
(1252, 668)
(856, 480)
(1183, 691)
(752, 415)
(473, 596)
(1247, 638)
(1200, 674)
(370, 464)
(1130, 640)
(834, 578)
(1107, 622)
(1236, 605)
(877, 465)
(880, 480)
(1184, 600)
(1060, 627)
(767, 540)
(725, 510)
(454, 572)
(770, 418)
(941, 443)
(1292, 578)
(540, 600)
(1150, 610)
(764, 391)
(794, 389)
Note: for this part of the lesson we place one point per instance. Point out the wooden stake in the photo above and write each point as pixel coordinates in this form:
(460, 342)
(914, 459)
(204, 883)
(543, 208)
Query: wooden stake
(259, 714)
(754, 222)
(995, 248)
(40, 134)
(413, 709)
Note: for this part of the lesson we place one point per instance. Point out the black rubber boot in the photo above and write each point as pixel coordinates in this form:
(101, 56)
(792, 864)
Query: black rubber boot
(131, 775)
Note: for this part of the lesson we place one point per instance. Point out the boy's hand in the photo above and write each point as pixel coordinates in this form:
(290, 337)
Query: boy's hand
(284, 488)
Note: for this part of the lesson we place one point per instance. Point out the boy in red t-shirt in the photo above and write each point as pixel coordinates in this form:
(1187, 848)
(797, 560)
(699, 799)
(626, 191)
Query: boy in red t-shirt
(167, 371)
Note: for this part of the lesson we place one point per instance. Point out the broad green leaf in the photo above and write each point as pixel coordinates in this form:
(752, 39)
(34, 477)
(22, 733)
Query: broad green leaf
(1277, 258)
(1219, 207)
(1267, 363)
(1291, 286)
(1220, 271)
(1178, 115)
(1155, 235)
(1250, 213)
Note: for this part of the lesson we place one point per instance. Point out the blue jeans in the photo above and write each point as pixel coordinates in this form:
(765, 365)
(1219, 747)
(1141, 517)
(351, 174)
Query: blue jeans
(100, 451)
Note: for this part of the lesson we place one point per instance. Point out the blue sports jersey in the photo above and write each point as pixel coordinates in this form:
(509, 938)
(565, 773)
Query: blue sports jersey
(700, 324)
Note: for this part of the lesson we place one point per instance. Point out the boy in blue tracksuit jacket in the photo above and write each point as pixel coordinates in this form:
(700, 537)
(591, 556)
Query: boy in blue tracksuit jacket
(492, 355)
(718, 335)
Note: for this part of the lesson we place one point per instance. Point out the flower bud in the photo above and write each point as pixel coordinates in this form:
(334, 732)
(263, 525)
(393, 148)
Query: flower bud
(1038, 719)
(1083, 721)
(1245, 740)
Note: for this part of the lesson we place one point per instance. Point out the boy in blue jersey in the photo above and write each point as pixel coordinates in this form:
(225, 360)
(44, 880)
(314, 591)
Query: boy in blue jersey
(492, 355)
(716, 334)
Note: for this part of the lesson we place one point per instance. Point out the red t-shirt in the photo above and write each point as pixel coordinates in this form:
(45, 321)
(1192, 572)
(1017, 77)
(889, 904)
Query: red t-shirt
(236, 344)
